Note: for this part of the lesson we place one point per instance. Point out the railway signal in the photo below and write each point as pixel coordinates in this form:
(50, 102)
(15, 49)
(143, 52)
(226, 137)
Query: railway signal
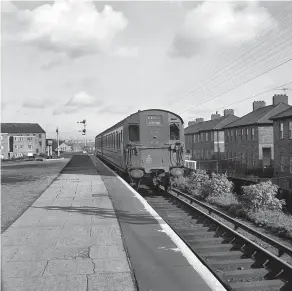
(83, 130)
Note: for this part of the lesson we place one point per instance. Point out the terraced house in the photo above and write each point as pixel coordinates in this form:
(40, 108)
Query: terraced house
(249, 141)
(22, 139)
(205, 139)
(282, 128)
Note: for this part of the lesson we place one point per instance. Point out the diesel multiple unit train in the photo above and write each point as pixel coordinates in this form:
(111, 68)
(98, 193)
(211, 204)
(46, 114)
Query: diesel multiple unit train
(147, 146)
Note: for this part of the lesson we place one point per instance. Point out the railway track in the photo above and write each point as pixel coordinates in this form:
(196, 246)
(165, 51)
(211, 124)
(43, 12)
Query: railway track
(237, 262)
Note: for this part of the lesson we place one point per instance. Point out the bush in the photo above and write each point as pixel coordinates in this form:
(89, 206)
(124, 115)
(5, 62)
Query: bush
(199, 182)
(225, 201)
(261, 196)
(181, 183)
(276, 221)
(220, 185)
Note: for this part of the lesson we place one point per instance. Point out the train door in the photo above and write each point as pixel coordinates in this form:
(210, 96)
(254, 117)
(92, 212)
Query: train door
(155, 137)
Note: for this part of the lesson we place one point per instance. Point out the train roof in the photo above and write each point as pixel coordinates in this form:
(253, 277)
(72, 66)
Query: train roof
(122, 121)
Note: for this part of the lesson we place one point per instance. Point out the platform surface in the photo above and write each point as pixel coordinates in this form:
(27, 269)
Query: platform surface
(69, 239)
(158, 264)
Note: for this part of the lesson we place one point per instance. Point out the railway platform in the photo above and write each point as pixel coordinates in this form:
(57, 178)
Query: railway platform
(91, 231)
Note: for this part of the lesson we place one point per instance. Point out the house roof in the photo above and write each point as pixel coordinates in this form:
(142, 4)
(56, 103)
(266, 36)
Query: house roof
(259, 116)
(215, 124)
(285, 114)
(21, 128)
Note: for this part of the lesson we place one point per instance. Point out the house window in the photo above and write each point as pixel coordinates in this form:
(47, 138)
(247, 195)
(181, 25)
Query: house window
(174, 131)
(30, 147)
(282, 163)
(252, 133)
(242, 133)
(40, 143)
(246, 134)
(235, 134)
(290, 129)
(291, 165)
(40, 136)
(281, 130)
(134, 132)
(206, 136)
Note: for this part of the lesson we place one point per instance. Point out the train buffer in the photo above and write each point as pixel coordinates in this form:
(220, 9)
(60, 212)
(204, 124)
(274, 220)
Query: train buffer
(91, 231)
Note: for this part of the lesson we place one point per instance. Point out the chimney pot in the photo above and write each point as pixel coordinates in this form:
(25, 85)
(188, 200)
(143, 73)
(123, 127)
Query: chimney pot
(280, 98)
(198, 120)
(228, 112)
(215, 116)
(258, 104)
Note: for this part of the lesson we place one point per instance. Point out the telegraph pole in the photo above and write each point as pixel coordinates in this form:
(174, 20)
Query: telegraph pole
(57, 131)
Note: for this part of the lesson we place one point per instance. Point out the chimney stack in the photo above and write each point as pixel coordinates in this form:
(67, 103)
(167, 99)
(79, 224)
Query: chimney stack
(280, 98)
(199, 120)
(258, 104)
(215, 116)
(228, 112)
(190, 123)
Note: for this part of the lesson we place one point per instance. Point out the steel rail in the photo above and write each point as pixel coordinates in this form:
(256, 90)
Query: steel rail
(284, 266)
(282, 249)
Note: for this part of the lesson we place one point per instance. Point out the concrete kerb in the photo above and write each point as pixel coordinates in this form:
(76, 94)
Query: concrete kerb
(200, 268)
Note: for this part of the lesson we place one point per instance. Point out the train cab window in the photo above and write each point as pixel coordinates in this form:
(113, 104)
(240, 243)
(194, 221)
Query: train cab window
(174, 131)
(134, 132)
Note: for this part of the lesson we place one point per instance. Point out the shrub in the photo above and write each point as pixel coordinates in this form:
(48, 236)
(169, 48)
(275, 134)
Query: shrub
(180, 183)
(226, 201)
(199, 182)
(276, 221)
(261, 196)
(220, 185)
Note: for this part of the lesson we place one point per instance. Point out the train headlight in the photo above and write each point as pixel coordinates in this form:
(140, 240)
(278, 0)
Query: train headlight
(137, 173)
(177, 172)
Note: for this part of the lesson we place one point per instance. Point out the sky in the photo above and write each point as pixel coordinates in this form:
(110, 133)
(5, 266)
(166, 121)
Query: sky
(65, 61)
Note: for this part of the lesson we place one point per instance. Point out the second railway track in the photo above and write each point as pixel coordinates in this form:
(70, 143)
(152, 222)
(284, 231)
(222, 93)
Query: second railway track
(238, 263)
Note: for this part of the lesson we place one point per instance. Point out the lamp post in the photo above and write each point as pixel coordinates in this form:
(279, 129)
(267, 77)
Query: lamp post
(57, 131)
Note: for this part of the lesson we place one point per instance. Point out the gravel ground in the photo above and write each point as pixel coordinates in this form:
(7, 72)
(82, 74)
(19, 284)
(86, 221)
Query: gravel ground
(22, 183)
(253, 238)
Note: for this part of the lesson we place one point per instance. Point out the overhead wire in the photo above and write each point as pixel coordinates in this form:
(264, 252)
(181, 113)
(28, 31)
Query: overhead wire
(272, 56)
(253, 96)
(279, 44)
(289, 60)
(240, 47)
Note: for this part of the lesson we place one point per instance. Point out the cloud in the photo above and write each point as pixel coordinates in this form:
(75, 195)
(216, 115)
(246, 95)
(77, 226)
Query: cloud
(216, 24)
(36, 103)
(73, 27)
(130, 52)
(53, 62)
(114, 109)
(81, 100)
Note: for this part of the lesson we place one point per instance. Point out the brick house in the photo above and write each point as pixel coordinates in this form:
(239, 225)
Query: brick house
(204, 140)
(282, 128)
(23, 139)
(249, 142)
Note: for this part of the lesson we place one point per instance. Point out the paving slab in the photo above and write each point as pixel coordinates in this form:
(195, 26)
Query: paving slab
(69, 239)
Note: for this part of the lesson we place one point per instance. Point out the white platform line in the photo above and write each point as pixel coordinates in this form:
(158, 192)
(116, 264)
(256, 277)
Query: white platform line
(201, 269)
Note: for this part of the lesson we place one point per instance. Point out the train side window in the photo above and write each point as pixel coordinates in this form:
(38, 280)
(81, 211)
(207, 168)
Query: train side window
(134, 132)
(174, 131)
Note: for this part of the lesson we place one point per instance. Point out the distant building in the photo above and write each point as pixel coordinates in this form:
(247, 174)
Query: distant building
(282, 128)
(64, 148)
(22, 139)
(204, 140)
(249, 141)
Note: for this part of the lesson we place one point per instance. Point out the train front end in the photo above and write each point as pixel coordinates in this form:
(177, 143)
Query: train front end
(156, 149)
